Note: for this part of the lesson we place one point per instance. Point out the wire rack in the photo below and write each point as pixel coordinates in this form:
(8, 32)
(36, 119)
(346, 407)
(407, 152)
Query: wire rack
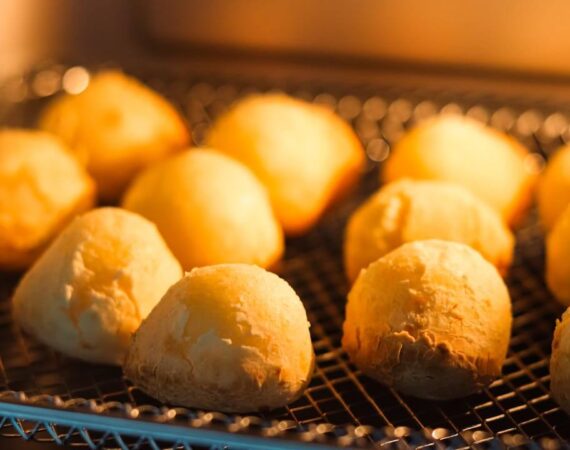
(47, 397)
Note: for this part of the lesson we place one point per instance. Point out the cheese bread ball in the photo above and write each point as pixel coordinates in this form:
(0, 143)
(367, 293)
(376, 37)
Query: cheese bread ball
(405, 211)
(94, 285)
(229, 337)
(210, 209)
(558, 258)
(116, 127)
(304, 154)
(491, 164)
(554, 188)
(560, 362)
(431, 319)
(41, 188)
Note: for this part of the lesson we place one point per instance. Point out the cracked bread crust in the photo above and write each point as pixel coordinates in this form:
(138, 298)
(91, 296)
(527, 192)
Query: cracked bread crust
(229, 337)
(408, 210)
(431, 319)
(90, 290)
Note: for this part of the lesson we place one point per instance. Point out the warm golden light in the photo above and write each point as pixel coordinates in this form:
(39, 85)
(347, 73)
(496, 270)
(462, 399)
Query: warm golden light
(75, 80)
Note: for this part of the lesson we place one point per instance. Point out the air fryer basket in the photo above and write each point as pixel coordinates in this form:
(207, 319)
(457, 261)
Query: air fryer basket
(47, 397)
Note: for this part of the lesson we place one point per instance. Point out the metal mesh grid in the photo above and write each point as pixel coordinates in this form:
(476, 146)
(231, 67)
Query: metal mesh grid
(517, 407)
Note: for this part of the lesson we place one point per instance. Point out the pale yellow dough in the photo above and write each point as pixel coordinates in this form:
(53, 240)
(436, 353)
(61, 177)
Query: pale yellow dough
(558, 258)
(560, 362)
(116, 127)
(94, 285)
(41, 188)
(491, 164)
(553, 192)
(304, 154)
(229, 337)
(431, 319)
(210, 209)
(407, 210)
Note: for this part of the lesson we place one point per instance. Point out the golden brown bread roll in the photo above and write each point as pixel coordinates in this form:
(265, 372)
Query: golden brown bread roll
(303, 153)
(560, 362)
(407, 210)
(41, 188)
(558, 258)
(117, 127)
(210, 209)
(90, 290)
(230, 337)
(489, 163)
(431, 319)
(553, 192)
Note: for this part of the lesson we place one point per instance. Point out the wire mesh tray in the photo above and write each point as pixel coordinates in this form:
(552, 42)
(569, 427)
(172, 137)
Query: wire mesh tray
(47, 397)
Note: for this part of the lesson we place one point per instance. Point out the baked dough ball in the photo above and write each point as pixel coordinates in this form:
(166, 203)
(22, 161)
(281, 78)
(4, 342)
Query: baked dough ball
(558, 258)
(489, 163)
(210, 209)
(405, 211)
(94, 285)
(554, 188)
(229, 337)
(41, 188)
(303, 153)
(560, 362)
(431, 319)
(117, 126)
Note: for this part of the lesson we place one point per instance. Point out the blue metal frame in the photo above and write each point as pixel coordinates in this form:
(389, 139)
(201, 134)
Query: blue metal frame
(48, 411)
